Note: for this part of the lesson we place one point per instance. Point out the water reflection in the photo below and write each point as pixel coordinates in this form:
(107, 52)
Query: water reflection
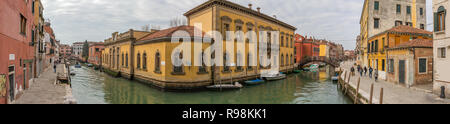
(92, 87)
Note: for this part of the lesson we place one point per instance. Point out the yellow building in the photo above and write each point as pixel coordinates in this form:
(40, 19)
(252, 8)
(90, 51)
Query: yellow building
(364, 34)
(117, 56)
(147, 56)
(377, 45)
(222, 16)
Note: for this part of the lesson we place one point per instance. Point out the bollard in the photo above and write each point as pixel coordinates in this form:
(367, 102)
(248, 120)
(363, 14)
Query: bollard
(357, 91)
(371, 94)
(442, 92)
(381, 96)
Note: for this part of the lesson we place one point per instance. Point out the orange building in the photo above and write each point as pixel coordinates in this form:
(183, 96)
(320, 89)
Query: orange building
(95, 53)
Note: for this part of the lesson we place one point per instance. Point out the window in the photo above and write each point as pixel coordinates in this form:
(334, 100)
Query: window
(376, 46)
(138, 61)
(409, 24)
(126, 59)
(377, 5)
(226, 27)
(442, 53)
(422, 65)
(439, 19)
(391, 65)
(23, 25)
(226, 68)
(408, 9)
(282, 60)
(202, 69)
(421, 11)
(144, 61)
(383, 65)
(123, 60)
(282, 40)
(32, 7)
(399, 9)
(157, 62)
(249, 61)
(376, 23)
(287, 39)
(239, 62)
(178, 69)
(398, 23)
(287, 60)
(422, 26)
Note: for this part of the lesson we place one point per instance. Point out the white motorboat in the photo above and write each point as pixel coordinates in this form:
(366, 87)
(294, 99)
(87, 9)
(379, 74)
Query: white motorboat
(273, 76)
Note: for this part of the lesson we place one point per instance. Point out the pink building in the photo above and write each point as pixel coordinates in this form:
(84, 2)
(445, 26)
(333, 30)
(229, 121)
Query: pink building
(95, 53)
(65, 51)
(16, 48)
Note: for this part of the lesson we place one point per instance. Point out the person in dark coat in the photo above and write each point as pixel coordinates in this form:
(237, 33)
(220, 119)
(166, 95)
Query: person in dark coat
(365, 71)
(370, 72)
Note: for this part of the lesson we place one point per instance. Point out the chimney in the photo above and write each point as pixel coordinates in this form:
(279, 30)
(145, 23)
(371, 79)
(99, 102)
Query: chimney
(275, 16)
(250, 6)
(259, 9)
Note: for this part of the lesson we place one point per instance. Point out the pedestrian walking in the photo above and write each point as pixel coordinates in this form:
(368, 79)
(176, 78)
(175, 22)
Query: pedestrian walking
(376, 75)
(54, 67)
(370, 72)
(365, 71)
(353, 71)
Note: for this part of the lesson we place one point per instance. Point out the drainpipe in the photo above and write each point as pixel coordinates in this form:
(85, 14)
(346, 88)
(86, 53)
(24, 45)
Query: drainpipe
(132, 40)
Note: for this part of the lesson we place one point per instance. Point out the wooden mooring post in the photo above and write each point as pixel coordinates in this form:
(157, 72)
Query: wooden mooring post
(357, 91)
(371, 94)
(381, 96)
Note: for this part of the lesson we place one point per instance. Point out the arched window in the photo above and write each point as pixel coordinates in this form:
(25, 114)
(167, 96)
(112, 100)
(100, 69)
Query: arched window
(287, 60)
(157, 62)
(439, 19)
(282, 60)
(292, 60)
(179, 69)
(144, 61)
(249, 61)
(123, 60)
(202, 69)
(138, 60)
(282, 39)
(126, 59)
(226, 68)
(239, 62)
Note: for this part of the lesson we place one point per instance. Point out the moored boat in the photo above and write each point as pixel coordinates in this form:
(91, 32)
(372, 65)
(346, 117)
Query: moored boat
(254, 82)
(225, 86)
(273, 76)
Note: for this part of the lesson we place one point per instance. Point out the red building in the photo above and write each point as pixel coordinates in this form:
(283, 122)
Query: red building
(95, 53)
(305, 47)
(65, 51)
(16, 48)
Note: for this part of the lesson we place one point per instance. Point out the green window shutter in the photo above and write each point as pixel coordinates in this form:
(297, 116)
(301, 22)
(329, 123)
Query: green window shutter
(436, 21)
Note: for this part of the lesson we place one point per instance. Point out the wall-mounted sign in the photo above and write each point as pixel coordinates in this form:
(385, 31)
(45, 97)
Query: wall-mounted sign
(12, 57)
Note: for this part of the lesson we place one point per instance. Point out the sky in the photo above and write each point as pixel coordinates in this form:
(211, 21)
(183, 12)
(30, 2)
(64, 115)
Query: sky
(95, 20)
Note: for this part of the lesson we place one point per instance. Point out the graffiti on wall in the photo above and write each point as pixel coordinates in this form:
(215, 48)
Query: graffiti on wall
(2, 85)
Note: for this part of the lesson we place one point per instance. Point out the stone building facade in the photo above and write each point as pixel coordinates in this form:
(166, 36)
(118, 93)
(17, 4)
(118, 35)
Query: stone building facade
(441, 47)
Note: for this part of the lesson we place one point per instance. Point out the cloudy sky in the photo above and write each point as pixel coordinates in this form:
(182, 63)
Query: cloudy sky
(95, 20)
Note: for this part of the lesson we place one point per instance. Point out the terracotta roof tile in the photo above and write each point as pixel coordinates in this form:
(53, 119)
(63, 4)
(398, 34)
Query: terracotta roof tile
(168, 32)
(416, 43)
(409, 29)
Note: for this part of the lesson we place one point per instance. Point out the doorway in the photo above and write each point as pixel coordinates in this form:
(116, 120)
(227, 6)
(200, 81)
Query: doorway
(11, 78)
(401, 72)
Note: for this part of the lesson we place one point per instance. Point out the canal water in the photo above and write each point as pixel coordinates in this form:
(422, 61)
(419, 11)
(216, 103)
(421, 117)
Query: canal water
(93, 87)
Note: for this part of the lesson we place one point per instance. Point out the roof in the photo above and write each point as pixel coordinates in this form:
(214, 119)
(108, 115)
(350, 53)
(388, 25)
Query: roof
(168, 33)
(416, 43)
(238, 7)
(406, 30)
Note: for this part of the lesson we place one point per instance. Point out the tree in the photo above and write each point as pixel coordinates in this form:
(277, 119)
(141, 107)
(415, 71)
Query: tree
(85, 53)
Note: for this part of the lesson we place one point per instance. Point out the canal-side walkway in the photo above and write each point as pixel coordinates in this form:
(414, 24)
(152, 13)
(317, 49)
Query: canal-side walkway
(392, 93)
(45, 90)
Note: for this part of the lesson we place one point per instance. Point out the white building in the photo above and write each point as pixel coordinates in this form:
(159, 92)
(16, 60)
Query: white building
(441, 48)
(77, 49)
